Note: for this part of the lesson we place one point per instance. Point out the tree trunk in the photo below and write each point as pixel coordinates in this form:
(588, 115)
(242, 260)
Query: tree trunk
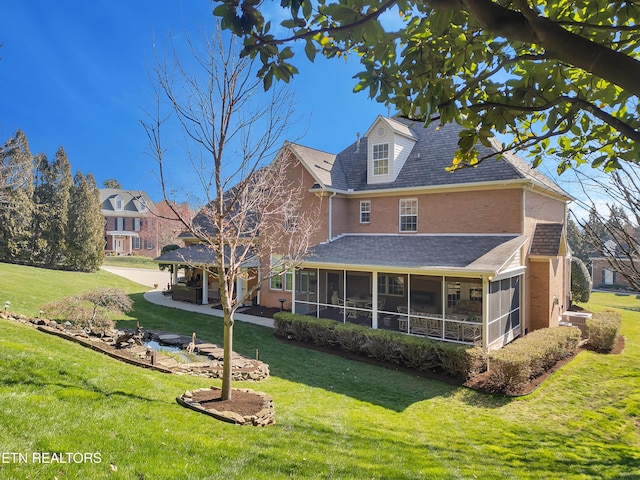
(228, 351)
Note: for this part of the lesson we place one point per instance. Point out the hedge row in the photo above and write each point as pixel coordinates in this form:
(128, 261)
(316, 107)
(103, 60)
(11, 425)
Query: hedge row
(396, 348)
(603, 330)
(511, 367)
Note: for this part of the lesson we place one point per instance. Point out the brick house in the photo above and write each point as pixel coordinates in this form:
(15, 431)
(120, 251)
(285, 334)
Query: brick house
(129, 227)
(475, 256)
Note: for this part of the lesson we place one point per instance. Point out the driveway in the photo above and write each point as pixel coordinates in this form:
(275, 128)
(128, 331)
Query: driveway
(143, 276)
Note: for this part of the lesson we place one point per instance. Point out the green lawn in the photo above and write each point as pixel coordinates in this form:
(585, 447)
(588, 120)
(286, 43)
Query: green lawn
(132, 261)
(335, 418)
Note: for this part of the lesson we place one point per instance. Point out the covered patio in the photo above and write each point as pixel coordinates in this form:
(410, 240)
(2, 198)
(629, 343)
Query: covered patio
(462, 289)
(198, 284)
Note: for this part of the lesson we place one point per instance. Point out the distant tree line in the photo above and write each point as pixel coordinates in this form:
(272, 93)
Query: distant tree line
(48, 217)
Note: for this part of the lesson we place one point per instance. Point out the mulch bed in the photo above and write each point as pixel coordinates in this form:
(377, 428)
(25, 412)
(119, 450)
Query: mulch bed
(242, 403)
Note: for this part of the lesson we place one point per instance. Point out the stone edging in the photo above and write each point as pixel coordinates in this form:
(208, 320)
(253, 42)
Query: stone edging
(266, 416)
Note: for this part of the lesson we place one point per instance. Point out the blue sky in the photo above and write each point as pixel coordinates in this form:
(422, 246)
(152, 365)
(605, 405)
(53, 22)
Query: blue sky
(75, 74)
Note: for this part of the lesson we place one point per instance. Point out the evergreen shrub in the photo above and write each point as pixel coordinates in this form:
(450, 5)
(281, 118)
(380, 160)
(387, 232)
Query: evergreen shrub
(395, 348)
(603, 330)
(511, 367)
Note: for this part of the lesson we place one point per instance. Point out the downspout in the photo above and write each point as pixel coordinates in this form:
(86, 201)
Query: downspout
(331, 216)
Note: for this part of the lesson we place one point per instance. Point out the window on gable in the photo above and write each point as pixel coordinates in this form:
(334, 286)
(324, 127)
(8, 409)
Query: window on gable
(120, 224)
(365, 211)
(291, 221)
(409, 215)
(119, 204)
(381, 159)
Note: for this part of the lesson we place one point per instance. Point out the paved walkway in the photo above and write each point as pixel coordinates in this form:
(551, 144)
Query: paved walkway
(150, 277)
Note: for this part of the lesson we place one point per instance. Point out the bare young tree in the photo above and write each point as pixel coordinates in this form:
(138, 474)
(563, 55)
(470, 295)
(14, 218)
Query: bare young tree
(612, 229)
(250, 207)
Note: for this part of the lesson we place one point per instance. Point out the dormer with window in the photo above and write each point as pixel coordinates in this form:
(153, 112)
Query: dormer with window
(389, 144)
(118, 203)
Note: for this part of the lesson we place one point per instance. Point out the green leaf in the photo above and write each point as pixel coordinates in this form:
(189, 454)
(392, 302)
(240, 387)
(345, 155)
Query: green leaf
(310, 50)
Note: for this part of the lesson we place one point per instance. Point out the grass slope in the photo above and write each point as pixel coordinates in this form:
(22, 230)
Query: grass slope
(336, 418)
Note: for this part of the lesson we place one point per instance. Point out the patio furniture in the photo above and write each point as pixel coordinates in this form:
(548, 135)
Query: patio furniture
(351, 309)
(419, 325)
(451, 329)
(470, 332)
(434, 327)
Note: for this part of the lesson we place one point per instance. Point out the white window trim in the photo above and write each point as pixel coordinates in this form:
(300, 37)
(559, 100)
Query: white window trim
(401, 215)
(285, 280)
(374, 159)
(362, 203)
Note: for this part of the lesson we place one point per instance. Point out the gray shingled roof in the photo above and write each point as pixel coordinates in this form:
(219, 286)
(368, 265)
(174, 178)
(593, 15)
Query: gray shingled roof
(480, 253)
(547, 239)
(198, 254)
(425, 167)
(133, 201)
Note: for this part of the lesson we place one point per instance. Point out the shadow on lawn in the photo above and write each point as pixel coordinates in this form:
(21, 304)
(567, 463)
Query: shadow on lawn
(386, 387)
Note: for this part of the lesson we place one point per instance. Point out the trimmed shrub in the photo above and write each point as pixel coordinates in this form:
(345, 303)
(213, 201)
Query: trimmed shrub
(383, 345)
(461, 361)
(350, 337)
(303, 328)
(509, 370)
(603, 330)
(419, 353)
(511, 367)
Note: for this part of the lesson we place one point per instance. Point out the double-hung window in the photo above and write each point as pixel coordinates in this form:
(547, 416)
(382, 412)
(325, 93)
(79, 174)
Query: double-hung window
(137, 243)
(365, 211)
(120, 224)
(278, 279)
(381, 159)
(409, 215)
(136, 224)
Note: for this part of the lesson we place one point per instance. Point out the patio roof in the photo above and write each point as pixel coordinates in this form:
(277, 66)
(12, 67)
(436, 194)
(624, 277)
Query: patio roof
(199, 254)
(487, 254)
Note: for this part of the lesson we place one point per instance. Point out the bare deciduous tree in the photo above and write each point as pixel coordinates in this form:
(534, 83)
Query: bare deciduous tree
(613, 230)
(251, 207)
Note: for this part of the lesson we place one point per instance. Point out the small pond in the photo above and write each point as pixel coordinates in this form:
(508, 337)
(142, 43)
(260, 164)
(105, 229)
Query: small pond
(175, 352)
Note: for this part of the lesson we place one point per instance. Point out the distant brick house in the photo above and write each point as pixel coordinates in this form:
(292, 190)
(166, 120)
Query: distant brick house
(477, 256)
(129, 226)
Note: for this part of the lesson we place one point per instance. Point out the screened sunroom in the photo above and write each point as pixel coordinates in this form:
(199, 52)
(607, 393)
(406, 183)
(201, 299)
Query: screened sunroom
(443, 302)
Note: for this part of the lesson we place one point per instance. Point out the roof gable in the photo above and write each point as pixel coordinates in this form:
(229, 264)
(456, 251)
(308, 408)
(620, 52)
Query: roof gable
(425, 165)
(132, 201)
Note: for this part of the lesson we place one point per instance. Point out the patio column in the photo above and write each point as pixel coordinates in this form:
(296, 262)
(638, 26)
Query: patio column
(205, 286)
(239, 289)
(130, 244)
(374, 300)
(174, 274)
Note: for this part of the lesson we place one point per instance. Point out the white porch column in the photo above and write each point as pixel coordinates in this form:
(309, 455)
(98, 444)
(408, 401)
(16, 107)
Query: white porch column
(205, 286)
(174, 274)
(130, 244)
(293, 291)
(374, 300)
(239, 289)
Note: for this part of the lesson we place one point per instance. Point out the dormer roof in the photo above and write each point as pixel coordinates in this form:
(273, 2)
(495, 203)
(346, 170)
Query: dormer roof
(425, 166)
